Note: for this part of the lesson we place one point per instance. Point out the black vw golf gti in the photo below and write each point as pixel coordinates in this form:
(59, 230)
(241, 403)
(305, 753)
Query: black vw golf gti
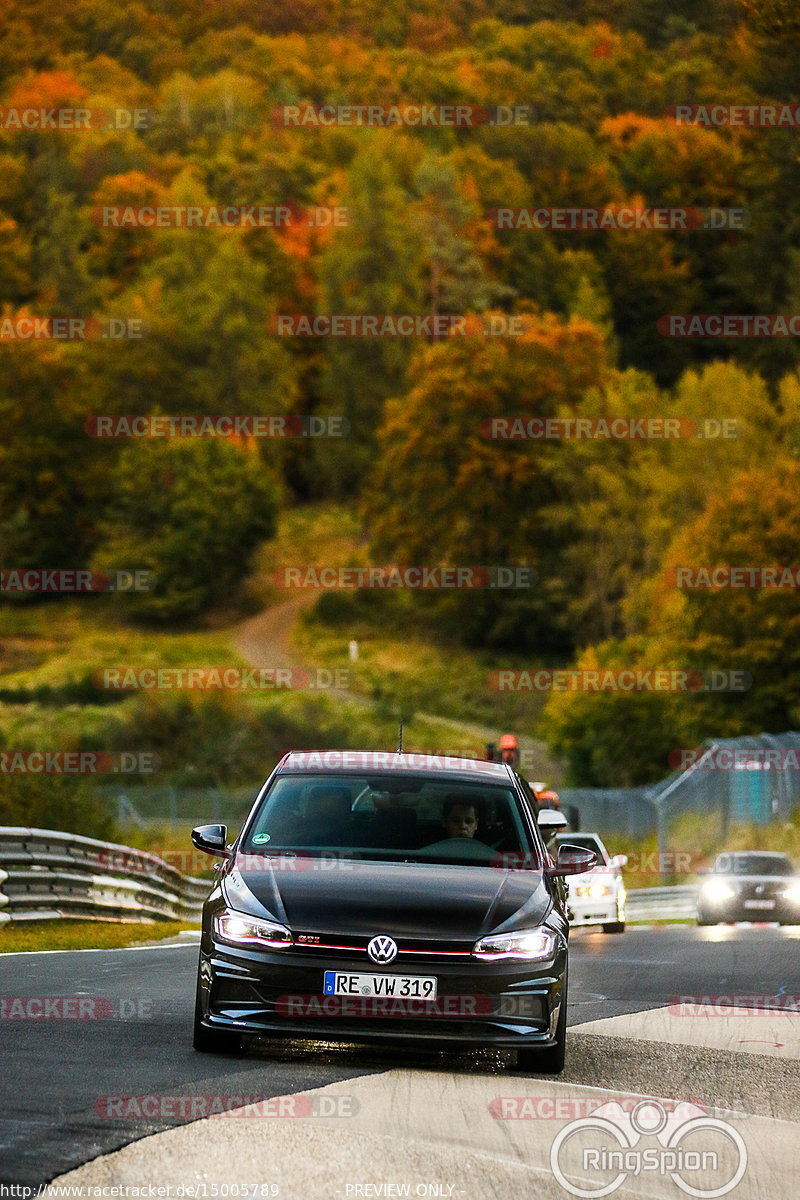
(377, 896)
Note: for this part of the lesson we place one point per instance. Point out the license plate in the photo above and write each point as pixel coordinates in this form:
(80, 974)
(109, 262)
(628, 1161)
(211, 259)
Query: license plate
(759, 903)
(346, 983)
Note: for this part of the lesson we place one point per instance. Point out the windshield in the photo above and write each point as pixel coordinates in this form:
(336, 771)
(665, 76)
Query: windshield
(753, 864)
(416, 819)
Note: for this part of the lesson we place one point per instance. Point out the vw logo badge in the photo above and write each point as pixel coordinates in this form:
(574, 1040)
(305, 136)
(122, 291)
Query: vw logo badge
(382, 949)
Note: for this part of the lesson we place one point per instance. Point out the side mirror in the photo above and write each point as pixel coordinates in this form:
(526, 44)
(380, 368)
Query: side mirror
(551, 822)
(572, 860)
(211, 839)
(619, 860)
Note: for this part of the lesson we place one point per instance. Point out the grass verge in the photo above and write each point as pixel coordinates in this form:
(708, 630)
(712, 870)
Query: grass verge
(85, 935)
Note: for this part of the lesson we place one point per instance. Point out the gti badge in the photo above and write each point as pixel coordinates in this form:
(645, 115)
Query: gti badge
(382, 949)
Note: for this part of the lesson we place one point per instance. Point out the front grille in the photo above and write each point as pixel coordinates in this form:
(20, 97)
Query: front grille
(335, 946)
(760, 891)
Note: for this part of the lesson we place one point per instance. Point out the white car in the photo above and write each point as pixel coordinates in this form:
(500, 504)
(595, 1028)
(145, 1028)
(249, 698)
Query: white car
(598, 896)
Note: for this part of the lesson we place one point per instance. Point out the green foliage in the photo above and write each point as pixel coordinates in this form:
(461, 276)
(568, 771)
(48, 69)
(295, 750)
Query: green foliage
(56, 802)
(192, 513)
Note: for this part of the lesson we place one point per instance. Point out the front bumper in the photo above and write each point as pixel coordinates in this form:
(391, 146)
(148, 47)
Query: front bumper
(734, 910)
(280, 994)
(585, 911)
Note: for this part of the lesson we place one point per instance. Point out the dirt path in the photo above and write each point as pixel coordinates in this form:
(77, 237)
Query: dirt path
(265, 640)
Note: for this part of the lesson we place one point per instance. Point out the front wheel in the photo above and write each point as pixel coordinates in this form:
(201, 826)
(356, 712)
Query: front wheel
(212, 1041)
(551, 1060)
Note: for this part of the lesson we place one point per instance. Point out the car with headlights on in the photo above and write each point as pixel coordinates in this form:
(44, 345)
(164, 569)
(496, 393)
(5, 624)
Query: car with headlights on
(750, 885)
(598, 896)
(386, 897)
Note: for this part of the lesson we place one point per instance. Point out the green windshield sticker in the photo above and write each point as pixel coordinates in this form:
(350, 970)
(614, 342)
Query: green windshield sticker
(259, 838)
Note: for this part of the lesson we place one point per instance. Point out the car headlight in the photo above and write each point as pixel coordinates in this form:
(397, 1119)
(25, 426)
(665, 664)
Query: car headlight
(793, 893)
(716, 889)
(528, 944)
(240, 930)
(594, 891)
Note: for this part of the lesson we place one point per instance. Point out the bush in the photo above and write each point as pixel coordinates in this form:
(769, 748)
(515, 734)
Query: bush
(192, 513)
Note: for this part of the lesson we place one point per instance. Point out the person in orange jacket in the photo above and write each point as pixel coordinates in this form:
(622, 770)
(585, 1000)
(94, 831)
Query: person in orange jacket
(509, 750)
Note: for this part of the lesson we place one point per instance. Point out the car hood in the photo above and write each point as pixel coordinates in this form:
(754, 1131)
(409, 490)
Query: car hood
(452, 903)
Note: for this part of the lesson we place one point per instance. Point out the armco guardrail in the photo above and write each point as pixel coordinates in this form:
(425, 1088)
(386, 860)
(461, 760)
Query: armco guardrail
(661, 903)
(45, 874)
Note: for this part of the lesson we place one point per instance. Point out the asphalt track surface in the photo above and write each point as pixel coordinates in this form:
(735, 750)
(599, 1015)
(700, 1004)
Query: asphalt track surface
(625, 1040)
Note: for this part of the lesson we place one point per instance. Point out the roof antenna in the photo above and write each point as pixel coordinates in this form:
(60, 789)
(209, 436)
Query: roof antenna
(400, 738)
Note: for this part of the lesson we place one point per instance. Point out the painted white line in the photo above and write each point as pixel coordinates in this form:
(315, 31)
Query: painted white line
(168, 945)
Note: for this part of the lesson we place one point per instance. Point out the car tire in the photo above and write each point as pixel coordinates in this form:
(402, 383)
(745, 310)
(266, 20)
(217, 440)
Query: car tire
(551, 1060)
(212, 1041)
(617, 926)
(702, 920)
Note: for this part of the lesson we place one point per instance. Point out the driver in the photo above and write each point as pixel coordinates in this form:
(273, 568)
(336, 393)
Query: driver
(460, 817)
